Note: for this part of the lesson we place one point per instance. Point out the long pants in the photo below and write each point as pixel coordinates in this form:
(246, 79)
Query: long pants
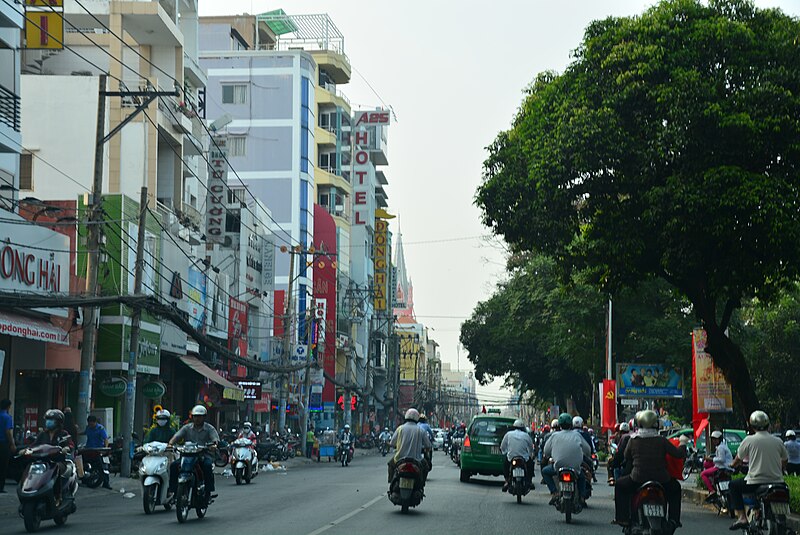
(530, 464)
(706, 475)
(5, 457)
(309, 449)
(738, 489)
(793, 469)
(208, 473)
(625, 487)
(549, 474)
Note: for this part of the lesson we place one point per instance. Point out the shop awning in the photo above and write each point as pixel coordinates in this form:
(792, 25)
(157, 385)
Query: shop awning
(32, 329)
(229, 390)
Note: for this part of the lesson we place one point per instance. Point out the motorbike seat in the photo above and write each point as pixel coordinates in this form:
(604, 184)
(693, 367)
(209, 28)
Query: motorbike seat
(765, 489)
(651, 484)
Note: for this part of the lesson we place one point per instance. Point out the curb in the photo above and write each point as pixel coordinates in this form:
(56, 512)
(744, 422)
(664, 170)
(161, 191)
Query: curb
(697, 497)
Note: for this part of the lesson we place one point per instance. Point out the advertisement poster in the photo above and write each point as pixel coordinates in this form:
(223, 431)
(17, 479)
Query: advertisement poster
(237, 327)
(713, 390)
(196, 292)
(649, 381)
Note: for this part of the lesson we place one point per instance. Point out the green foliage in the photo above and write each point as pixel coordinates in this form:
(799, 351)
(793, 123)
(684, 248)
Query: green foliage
(668, 148)
(794, 492)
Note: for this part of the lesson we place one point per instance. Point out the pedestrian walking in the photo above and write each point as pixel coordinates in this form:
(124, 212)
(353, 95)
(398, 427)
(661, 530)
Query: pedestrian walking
(7, 445)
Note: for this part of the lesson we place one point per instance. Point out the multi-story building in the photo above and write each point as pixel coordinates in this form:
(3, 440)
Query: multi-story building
(11, 23)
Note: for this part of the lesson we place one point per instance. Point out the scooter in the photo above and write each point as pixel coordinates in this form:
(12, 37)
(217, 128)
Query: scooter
(767, 510)
(569, 500)
(649, 512)
(721, 498)
(192, 492)
(96, 465)
(519, 485)
(384, 447)
(43, 493)
(154, 474)
(244, 460)
(408, 484)
(344, 453)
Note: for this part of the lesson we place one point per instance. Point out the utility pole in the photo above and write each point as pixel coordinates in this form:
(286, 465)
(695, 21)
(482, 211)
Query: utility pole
(348, 396)
(94, 231)
(287, 346)
(307, 382)
(133, 355)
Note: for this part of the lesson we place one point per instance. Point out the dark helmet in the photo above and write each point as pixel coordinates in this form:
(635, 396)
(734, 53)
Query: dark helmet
(565, 421)
(54, 414)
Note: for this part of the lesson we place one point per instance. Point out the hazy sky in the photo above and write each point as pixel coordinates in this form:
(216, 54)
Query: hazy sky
(453, 70)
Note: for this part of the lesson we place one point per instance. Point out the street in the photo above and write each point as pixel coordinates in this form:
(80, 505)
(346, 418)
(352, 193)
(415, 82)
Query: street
(311, 499)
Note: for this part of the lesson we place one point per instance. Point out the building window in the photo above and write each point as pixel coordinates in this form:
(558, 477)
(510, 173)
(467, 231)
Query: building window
(26, 171)
(323, 200)
(234, 93)
(237, 146)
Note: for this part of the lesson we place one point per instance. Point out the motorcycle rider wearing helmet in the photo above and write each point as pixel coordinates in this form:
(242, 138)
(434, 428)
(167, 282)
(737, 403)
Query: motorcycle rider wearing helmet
(517, 443)
(767, 457)
(162, 432)
(409, 441)
(247, 432)
(722, 460)
(646, 455)
(54, 433)
(567, 450)
(423, 424)
(793, 449)
(198, 432)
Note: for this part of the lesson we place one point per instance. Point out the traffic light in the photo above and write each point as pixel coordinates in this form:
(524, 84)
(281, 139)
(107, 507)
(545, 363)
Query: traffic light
(353, 402)
(341, 402)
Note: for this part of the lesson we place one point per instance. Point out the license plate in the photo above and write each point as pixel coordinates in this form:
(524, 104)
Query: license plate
(567, 486)
(653, 510)
(106, 459)
(494, 450)
(723, 485)
(406, 483)
(519, 472)
(780, 508)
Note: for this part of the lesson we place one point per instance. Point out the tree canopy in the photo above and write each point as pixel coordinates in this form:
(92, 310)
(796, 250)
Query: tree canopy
(669, 147)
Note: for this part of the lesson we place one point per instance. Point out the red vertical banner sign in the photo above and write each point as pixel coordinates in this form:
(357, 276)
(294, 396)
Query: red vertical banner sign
(609, 405)
(325, 269)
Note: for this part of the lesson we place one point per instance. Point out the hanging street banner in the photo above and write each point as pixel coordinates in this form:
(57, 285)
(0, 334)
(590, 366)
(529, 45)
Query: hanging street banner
(713, 390)
(649, 381)
(608, 408)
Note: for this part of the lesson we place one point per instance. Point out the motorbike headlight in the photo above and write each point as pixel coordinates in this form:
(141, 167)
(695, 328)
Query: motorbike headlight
(38, 468)
(142, 470)
(163, 465)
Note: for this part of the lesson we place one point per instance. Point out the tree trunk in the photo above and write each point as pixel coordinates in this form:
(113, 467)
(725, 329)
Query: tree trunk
(728, 356)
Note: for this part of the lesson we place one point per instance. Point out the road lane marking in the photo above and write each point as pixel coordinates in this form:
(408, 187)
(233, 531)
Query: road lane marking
(349, 515)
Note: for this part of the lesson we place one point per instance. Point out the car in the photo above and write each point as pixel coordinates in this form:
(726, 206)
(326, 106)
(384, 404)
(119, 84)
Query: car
(733, 437)
(438, 439)
(480, 452)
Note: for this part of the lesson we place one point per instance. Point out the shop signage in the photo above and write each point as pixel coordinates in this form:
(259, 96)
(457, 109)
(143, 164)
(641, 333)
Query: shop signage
(237, 327)
(197, 299)
(27, 269)
(251, 253)
(268, 264)
(154, 390)
(263, 403)
(379, 299)
(113, 386)
(251, 389)
(375, 117)
(217, 190)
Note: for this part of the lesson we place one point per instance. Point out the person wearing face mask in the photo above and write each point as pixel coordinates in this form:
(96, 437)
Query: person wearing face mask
(247, 432)
(54, 433)
(162, 432)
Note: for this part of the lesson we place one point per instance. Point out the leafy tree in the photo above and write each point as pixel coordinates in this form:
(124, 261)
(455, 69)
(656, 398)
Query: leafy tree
(670, 147)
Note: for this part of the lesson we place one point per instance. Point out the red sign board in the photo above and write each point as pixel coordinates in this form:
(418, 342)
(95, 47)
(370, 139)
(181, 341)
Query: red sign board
(262, 404)
(237, 327)
(325, 292)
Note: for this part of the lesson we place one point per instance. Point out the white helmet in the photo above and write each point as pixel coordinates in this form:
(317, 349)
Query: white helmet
(577, 422)
(163, 414)
(519, 424)
(412, 414)
(790, 433)
(624, 427)
(716, 434)
(554, 423)
(347, 426)
(247, 425)
(198, 410)
(759, 420)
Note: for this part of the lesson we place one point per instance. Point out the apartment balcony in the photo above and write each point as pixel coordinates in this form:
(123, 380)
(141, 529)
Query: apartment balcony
(12, 16)
(10, 137)
(378, 147)
(149, 22)
(324, 95)
(324, 137)
(325, 177)
(193, 73)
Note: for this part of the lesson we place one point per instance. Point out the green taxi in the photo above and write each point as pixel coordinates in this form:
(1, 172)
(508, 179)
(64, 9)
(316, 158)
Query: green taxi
(480, 451)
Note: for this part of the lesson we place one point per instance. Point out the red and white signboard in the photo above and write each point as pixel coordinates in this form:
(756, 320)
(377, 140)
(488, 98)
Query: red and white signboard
(373, 117)
(32, 329)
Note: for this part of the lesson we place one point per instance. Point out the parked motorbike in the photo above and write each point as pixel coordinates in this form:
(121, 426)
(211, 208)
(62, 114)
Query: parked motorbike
(96, 465)
(408, 484)
(767, 510)
(649, 512)
(519, 484)
(244, 460)
(154, 475)
(692, 463)
(48, 486)
(191, 492)
(569, 500)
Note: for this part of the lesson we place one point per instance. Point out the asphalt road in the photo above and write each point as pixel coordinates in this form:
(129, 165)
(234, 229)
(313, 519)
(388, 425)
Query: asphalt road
(312, 499)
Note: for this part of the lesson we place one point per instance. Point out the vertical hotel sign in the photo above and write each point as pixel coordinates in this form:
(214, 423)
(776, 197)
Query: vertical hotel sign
(364, 122)
(217, 187)
(44, 24)
(379, 254)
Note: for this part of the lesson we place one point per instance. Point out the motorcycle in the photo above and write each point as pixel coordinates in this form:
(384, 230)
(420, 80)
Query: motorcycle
(244, 460)
(520, 482)
(191, 493)
(344, 453)
(721, 498)
(408, 484)
(43, 492)
(384, 447)
(154, 475)
(96, 465)
(569, 500)
(222, 454)
(767, 510)
(649, 512)
(694, 461)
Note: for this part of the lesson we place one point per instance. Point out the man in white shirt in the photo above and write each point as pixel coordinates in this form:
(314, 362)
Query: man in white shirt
(722, 459)
(767, 459)
(517, 443)
(793, 448)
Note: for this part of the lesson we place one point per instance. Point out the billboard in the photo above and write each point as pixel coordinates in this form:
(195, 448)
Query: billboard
(649, 381)
(713, 390)
(216, 210)
(237, 327)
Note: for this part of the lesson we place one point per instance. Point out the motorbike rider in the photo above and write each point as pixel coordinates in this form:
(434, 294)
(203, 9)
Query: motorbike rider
(423, 424)
(55, 435)
(578, 427)
(722, 460)
(517, 443)
(645, 453)
(384, 438)
(347, 439)
(566, 450)
(198, 432)
(409, 441)
(162, 432)
(96, 437)
(793, 448)
(247, 432)
(618, 463)
(767, 458)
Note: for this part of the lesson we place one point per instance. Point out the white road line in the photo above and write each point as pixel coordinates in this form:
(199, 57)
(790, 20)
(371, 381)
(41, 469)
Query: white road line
(345, 517)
